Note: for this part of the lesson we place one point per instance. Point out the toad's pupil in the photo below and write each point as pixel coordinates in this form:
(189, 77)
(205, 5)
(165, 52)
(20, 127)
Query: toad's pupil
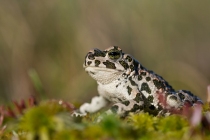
(114, 53)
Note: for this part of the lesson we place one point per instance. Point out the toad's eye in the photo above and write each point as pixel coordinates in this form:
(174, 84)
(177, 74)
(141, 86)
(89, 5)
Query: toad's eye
(114, 55)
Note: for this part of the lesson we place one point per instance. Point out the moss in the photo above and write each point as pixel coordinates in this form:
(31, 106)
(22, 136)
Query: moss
(49, 120)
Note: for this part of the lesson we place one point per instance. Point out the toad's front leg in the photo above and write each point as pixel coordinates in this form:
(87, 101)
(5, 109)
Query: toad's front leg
(96, 104)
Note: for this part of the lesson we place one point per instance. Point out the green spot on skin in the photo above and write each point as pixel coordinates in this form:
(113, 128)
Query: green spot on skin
(132, 67)
(114, 108)
(143, 73)
(126, 103)
(181, 96)
(135, 108)
(129, 58)
(139, 77)
(129, 90)
(173, 98)
(138, 98)
(97, 63)
(145, 87)
(89, 62)
(124, 64)
(148, 79)
(150, 99)
(132, 82)
(151, 109)
(158, 84)
(98, 53)
(109, 64)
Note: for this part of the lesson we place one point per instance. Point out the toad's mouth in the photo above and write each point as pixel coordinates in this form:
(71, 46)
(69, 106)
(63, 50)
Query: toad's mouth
(103, 75)
(93, 69)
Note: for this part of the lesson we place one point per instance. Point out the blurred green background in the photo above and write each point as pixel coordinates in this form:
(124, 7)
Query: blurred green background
(50, 38)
